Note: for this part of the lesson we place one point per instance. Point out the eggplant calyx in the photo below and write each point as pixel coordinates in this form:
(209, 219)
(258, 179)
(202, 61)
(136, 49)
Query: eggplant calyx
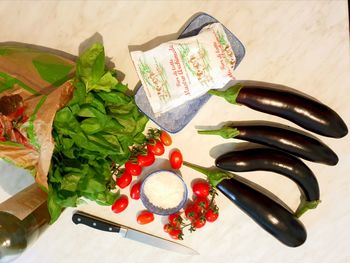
(224, 132)
(230, 94)
(215, 176)
(305, 206)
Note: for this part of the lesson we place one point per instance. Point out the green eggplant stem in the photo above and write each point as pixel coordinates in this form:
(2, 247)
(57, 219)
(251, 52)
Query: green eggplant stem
(215, 176)
(305, 206)
(225, 132)
(229, 94)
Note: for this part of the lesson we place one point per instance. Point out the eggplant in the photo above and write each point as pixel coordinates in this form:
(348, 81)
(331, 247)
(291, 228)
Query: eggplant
(266, 159)
(293, 142)
(267, 213)
(281, 101)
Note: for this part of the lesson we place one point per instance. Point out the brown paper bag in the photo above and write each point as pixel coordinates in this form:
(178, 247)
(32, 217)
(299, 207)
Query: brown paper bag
(34, 84)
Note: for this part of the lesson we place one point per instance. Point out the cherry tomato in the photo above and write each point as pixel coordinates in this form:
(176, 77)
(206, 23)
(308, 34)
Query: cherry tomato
(120, 204)
(145, 217)
(155, 147)
(191, 213)
(176, 159)
(211, 216)
(176, 233)
(201, 204)
(167, 228)
(145, 160)
(175, 219)
(124, 179)
(133, 168)
(199, 223)
(165, 138)
(135, 191)
(201, 189)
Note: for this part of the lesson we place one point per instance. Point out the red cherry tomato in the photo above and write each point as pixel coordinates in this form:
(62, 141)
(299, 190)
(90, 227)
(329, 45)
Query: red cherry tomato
(120, 204)
(211, 216)
(175, 219)
(135, 191)
(201, 189)
(201, 204)
(176, 159)
(133, 168)
(199, 223)
(165, 138)
(145, 217)
(124, 179)
(191, 213)
(145, 160)
(176, 233)
(167, 228)
(155, 147)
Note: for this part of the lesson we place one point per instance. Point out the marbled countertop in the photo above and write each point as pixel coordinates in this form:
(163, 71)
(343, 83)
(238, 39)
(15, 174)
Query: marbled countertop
(301, 44)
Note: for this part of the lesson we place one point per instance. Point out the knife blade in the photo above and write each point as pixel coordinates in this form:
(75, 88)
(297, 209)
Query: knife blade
(80, 217)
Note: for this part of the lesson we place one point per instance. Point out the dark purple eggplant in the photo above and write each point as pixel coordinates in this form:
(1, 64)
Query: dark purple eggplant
(281, 101)
(266, 159)
(267, 213)
(284, 139)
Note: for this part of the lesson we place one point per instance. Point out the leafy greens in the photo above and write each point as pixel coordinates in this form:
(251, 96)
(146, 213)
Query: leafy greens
(92, 133)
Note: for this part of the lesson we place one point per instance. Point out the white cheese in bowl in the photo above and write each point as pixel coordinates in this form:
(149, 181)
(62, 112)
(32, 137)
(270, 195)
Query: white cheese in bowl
(164, 190)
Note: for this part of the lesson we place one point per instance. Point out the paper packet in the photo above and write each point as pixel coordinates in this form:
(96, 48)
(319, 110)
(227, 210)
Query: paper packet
(181, 70)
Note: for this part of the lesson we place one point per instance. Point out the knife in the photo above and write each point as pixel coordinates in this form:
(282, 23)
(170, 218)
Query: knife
(80, 217)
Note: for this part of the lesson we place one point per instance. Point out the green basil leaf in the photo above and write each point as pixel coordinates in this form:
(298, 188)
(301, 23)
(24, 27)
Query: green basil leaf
(98, 67)
(67, 199)
(114, 98)
(92, 186)
(139, 138)
(75, 109)
(121, 108)
(104, 84)
(95, 102)
(86, 62)
(79, 94)
(52, 204)
(91, 125)
(113, 127)
(120, 87)
(70, 182)
(56, 176)
(66, 123)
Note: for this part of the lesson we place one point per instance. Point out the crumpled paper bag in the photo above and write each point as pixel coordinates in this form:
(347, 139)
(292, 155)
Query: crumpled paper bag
(34, 84)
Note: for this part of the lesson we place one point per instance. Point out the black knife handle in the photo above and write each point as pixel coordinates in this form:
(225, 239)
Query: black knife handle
(95, 222)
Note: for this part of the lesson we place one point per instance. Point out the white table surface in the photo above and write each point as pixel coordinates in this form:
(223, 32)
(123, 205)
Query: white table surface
(302, 44)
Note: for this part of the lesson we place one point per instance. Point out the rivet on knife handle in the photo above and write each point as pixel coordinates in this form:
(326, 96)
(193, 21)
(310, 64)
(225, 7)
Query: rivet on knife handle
(95, 222)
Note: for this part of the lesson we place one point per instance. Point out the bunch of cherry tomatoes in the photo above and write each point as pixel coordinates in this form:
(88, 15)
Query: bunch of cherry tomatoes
(143, 156)
(197, 212)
